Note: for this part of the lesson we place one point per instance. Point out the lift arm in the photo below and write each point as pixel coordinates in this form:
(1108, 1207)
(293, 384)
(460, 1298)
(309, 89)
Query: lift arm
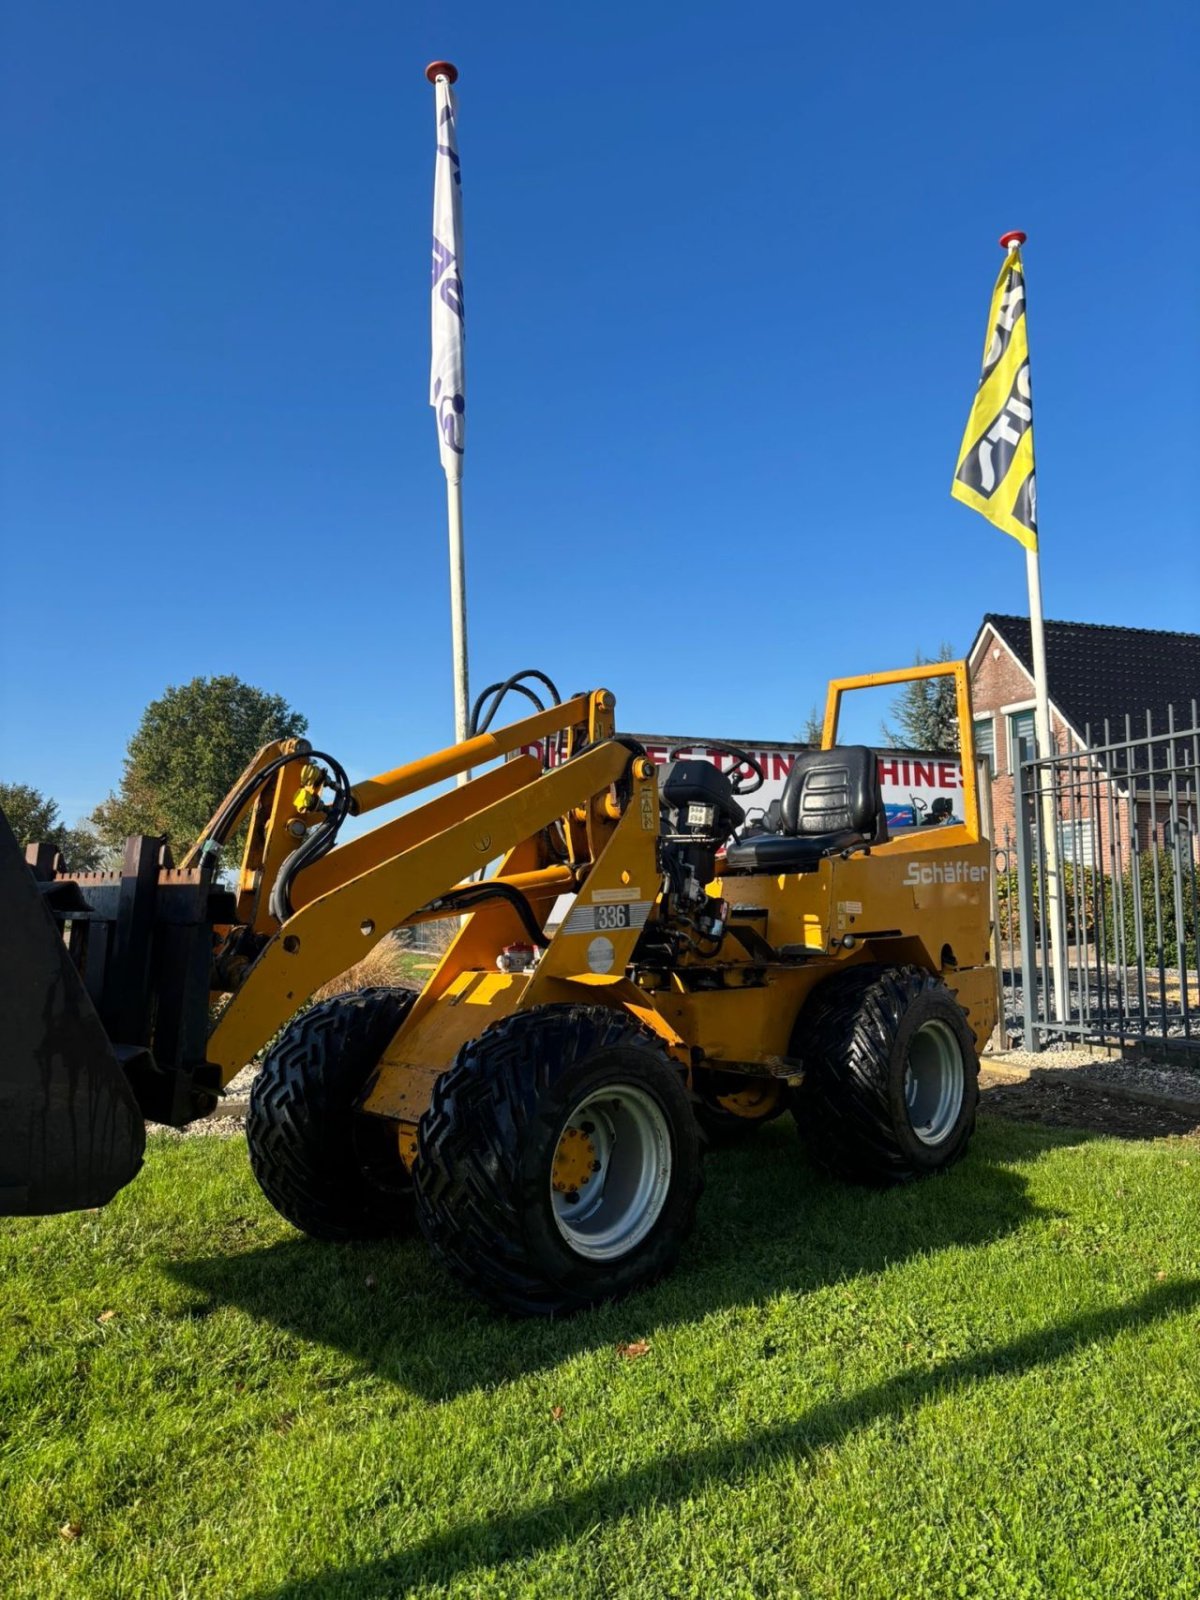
(340, 926)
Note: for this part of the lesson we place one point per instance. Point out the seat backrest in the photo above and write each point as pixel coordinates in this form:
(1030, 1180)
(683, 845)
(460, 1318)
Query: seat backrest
(835, 791)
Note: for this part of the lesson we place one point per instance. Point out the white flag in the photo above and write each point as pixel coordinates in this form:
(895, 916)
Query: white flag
(447, 374)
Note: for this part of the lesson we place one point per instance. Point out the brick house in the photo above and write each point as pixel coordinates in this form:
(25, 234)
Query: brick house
(1094, 673)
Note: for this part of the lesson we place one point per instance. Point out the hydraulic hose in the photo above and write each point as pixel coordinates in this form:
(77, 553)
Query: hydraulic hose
(481, 720)
(471, 895)
(314, 845)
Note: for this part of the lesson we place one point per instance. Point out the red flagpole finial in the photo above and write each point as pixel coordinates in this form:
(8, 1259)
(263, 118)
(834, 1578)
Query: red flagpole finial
(447, 70)
(1011, 241)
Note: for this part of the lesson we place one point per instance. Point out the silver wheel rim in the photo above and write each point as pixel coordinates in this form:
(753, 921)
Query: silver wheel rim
(611, 1212)
(934, 1081)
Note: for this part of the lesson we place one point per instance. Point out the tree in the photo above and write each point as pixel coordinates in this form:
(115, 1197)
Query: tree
(814, 727)
(34, 818)
(189, 749)
(926, 709)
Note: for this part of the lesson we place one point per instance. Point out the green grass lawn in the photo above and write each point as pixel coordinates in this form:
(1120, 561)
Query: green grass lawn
(985, 1385)
(412, 967)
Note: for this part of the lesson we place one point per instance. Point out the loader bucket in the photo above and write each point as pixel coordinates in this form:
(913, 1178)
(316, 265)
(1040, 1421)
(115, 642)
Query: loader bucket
(71, 1133)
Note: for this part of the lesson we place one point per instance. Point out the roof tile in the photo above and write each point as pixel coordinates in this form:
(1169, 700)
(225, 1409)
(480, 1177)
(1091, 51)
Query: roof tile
(1095, 670)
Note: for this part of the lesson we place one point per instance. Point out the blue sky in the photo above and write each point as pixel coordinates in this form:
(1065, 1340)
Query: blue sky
(727, 274)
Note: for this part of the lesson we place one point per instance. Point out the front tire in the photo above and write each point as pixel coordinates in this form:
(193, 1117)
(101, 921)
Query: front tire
(332, 1172)
(891, 1078)
(558, 1164)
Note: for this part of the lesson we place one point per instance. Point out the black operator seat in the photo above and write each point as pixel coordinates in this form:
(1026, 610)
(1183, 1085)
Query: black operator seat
(831, 802)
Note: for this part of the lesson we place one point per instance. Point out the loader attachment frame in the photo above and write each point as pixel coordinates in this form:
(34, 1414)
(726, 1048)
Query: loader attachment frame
(71, 1131)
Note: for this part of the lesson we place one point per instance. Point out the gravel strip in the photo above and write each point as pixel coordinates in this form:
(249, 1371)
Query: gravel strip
(1139, 1078)
(238, 1088)
(215, 1127)
(1164, 1020)
(1053, 1056)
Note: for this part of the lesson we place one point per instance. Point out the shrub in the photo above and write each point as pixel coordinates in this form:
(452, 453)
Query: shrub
(1082, 915)
(1164, 926)
(1096, 913)
(386, 965)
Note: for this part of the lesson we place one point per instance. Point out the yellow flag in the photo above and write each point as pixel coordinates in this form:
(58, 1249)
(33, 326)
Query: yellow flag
(995, 462)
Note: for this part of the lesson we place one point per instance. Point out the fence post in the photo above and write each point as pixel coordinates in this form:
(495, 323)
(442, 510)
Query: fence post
(1025, 910)
(1177, 880)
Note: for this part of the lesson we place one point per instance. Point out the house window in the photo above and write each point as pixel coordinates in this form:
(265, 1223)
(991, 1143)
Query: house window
(1077, 843)
(985, 741)
(1022, 739)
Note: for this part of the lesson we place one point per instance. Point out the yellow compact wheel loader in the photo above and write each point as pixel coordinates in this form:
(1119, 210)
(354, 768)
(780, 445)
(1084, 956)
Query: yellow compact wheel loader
(634, 971)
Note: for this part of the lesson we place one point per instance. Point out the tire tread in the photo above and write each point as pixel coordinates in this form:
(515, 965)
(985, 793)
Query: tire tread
(467, 1177)
(843, 1108)
(300, 1123)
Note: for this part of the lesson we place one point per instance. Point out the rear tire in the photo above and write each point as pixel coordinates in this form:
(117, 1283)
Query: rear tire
(891, 1078)
(541, 1107)
(331, 1171)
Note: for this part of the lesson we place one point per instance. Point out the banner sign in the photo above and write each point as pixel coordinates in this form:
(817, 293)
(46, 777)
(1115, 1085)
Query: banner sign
(919, 787)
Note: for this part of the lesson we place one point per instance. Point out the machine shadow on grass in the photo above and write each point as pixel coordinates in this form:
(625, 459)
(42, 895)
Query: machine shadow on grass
(768, 1224)
(677, 1478)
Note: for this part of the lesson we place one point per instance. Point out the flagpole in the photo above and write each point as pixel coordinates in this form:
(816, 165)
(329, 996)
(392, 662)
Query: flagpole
(445, 73)
(458, 612)
(1049, 817)
(1048, 820)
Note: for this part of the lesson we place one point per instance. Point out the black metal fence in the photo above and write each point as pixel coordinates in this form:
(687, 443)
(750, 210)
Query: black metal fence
(1106, 840)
